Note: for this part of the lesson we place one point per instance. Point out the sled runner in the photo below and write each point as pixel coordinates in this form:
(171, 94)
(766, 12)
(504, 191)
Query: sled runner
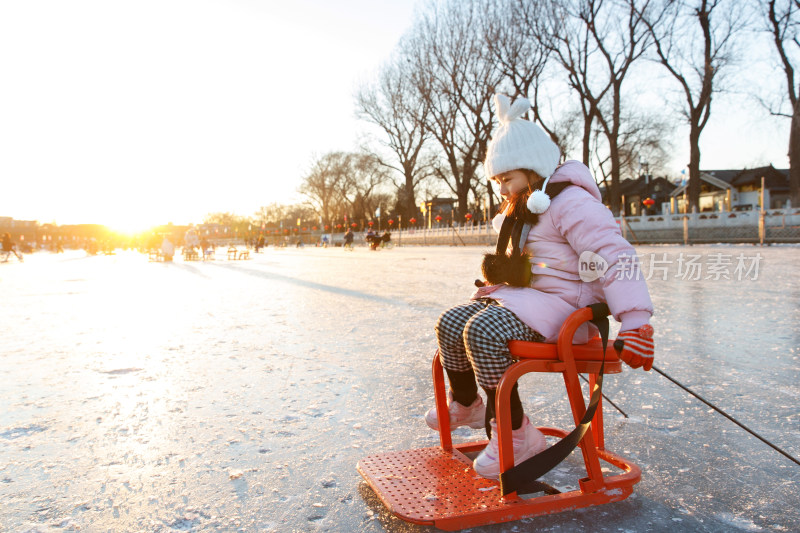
(438, 486)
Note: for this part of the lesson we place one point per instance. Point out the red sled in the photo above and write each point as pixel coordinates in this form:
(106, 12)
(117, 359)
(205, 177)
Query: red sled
(438, 486)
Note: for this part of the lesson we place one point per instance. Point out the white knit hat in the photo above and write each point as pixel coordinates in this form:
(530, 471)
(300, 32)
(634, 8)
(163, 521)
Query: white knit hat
(520, 144)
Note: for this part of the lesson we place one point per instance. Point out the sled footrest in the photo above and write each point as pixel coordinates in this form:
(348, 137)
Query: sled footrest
(438, 487)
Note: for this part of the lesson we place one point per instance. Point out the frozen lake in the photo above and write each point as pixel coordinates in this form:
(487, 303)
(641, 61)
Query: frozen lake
(239, 395)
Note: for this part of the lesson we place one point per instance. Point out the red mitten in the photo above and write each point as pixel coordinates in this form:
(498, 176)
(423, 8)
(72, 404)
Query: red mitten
(636, 347)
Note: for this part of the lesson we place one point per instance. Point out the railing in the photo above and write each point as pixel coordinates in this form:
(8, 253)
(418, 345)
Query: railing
(770, 226)
(775, 226)
(457, 235)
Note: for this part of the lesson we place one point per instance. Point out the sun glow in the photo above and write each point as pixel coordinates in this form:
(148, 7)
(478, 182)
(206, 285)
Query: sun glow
(130, 225)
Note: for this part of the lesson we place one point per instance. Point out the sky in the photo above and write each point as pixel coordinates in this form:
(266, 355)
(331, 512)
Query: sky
(138, 113)
(134, 113)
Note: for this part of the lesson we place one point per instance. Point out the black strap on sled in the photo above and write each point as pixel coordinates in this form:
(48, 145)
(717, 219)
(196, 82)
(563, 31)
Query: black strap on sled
(522, 478)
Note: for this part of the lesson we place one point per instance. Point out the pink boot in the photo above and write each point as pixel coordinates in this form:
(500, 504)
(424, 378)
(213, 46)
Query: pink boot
(472, 416)
(527, 440)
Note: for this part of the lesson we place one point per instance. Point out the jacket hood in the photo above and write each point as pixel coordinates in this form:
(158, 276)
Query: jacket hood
(578, 174)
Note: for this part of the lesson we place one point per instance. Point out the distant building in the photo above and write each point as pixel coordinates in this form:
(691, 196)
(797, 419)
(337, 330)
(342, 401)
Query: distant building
(738, 190)
(646, 195)
(20, 230)
(442, 207)
(637, 194)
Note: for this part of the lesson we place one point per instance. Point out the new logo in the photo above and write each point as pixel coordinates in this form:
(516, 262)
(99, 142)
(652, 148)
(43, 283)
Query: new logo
(591, 266)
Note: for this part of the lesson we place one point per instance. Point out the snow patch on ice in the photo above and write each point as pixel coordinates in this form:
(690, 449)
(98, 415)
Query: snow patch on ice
(738, 521)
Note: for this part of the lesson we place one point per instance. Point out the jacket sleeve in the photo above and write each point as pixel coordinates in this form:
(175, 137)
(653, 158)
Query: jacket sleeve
(588, 225)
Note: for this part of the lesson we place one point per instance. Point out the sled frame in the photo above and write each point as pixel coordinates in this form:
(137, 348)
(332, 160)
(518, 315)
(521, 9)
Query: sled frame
(437, 486)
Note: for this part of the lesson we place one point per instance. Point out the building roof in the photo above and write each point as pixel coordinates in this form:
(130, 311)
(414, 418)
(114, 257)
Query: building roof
(639, 187)
(725, 175)
(775, 179)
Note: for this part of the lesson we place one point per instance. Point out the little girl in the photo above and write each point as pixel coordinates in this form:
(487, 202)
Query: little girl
(473, 338)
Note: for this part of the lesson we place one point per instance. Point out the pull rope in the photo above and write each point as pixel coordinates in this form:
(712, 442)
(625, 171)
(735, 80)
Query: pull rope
(726, 415)
(617, 407)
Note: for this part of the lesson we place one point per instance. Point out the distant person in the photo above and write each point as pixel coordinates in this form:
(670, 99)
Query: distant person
(348, 239)
(386, 238)
(260, 243)
(190, 239)
(372, 239)
(208, 248)
(10, 247)
(167, 248)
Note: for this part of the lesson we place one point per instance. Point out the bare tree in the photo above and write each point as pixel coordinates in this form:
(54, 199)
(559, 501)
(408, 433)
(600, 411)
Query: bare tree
(325, 181)
(270, 214)
(363, 177)
(570, 42)
(597, 42)
(345, 184)
(298, 216)
(451, 72)
(782, 19)
(225, 219)
(642, 137)
(694, 42)
(395, 107)
(567, 130)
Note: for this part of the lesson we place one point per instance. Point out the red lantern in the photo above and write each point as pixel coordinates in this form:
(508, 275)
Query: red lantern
(338, 226)
(353, 225)
(648, 202)
(468, 216)
(391, 221)
(438, 218)
(412, 220)
(313, 228)
(370, 223)
(327, 227)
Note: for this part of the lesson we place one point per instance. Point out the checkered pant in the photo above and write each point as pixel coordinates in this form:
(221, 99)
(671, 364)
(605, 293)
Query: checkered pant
(475, 336)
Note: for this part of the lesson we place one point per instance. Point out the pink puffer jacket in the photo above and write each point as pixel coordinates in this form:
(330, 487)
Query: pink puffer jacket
(576, 222)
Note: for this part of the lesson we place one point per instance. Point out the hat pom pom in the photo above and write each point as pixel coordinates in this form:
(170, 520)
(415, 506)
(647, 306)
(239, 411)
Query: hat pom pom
(538, 202)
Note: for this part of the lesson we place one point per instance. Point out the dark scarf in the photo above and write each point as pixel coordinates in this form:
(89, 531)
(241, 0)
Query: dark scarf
(514, 269)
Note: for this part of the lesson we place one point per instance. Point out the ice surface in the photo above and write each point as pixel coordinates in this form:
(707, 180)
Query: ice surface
(224, 396)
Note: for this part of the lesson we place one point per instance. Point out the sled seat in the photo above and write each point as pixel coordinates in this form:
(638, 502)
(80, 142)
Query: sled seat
(438, 486)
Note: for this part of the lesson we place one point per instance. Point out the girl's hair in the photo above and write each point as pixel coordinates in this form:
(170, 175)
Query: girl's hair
(518, 202)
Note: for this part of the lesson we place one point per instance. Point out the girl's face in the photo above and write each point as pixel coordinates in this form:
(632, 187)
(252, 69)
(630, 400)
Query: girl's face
(511, 182)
